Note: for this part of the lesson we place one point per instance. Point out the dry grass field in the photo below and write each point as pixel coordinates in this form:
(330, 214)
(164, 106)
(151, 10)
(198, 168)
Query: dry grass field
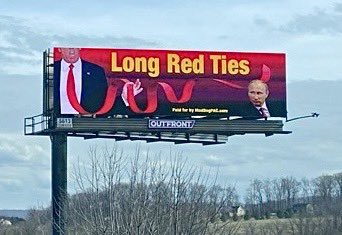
(275, 226)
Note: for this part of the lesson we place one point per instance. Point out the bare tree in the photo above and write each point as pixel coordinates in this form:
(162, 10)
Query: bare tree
(324, 191)
(307, 190)
(290, 188)
(267, 189)
(279, 194)
(338, 180)
(255, 197)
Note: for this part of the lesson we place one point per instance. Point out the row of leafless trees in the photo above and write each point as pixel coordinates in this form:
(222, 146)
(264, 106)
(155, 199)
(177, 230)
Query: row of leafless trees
(143, 196)
(323, 193)
(283, 193)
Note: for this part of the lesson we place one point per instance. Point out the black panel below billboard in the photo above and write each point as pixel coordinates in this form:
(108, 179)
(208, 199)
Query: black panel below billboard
(205, 131)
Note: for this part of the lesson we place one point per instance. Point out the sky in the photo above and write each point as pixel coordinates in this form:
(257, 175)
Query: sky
(309, 32)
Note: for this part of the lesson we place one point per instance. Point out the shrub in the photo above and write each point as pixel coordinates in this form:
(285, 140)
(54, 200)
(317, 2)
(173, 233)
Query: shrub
(257, 215)
(247, 216)
(287, 214)
(224, 217)
(235, 217)
(267, 215)
(280, 214)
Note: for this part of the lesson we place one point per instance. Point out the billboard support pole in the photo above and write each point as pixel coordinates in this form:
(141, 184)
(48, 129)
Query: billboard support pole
(59, 182)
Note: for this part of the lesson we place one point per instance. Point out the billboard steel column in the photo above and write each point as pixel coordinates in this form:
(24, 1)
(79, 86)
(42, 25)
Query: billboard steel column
(59, 182)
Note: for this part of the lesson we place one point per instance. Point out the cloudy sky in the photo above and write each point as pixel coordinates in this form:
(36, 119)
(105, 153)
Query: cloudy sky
(309, 32)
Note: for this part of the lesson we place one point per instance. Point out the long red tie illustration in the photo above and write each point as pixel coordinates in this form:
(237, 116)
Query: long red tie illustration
(152, 96)
(265, 77)
(72, 93)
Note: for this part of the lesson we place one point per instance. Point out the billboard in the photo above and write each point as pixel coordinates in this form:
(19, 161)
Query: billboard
(172, 83)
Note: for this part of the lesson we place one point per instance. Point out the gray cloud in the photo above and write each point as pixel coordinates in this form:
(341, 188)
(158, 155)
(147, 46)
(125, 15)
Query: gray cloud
(105, 41)
(338, 7)
(18, 34)
(24, 171)
(214, 161)
(262, 22)
(320, 21)
(19, 152)
(22, 45)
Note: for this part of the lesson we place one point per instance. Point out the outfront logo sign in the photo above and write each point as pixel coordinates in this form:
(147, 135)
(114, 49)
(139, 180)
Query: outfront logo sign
(168, 124)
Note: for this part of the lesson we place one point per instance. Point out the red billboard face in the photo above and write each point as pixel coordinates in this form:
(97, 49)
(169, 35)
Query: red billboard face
(108, 82)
